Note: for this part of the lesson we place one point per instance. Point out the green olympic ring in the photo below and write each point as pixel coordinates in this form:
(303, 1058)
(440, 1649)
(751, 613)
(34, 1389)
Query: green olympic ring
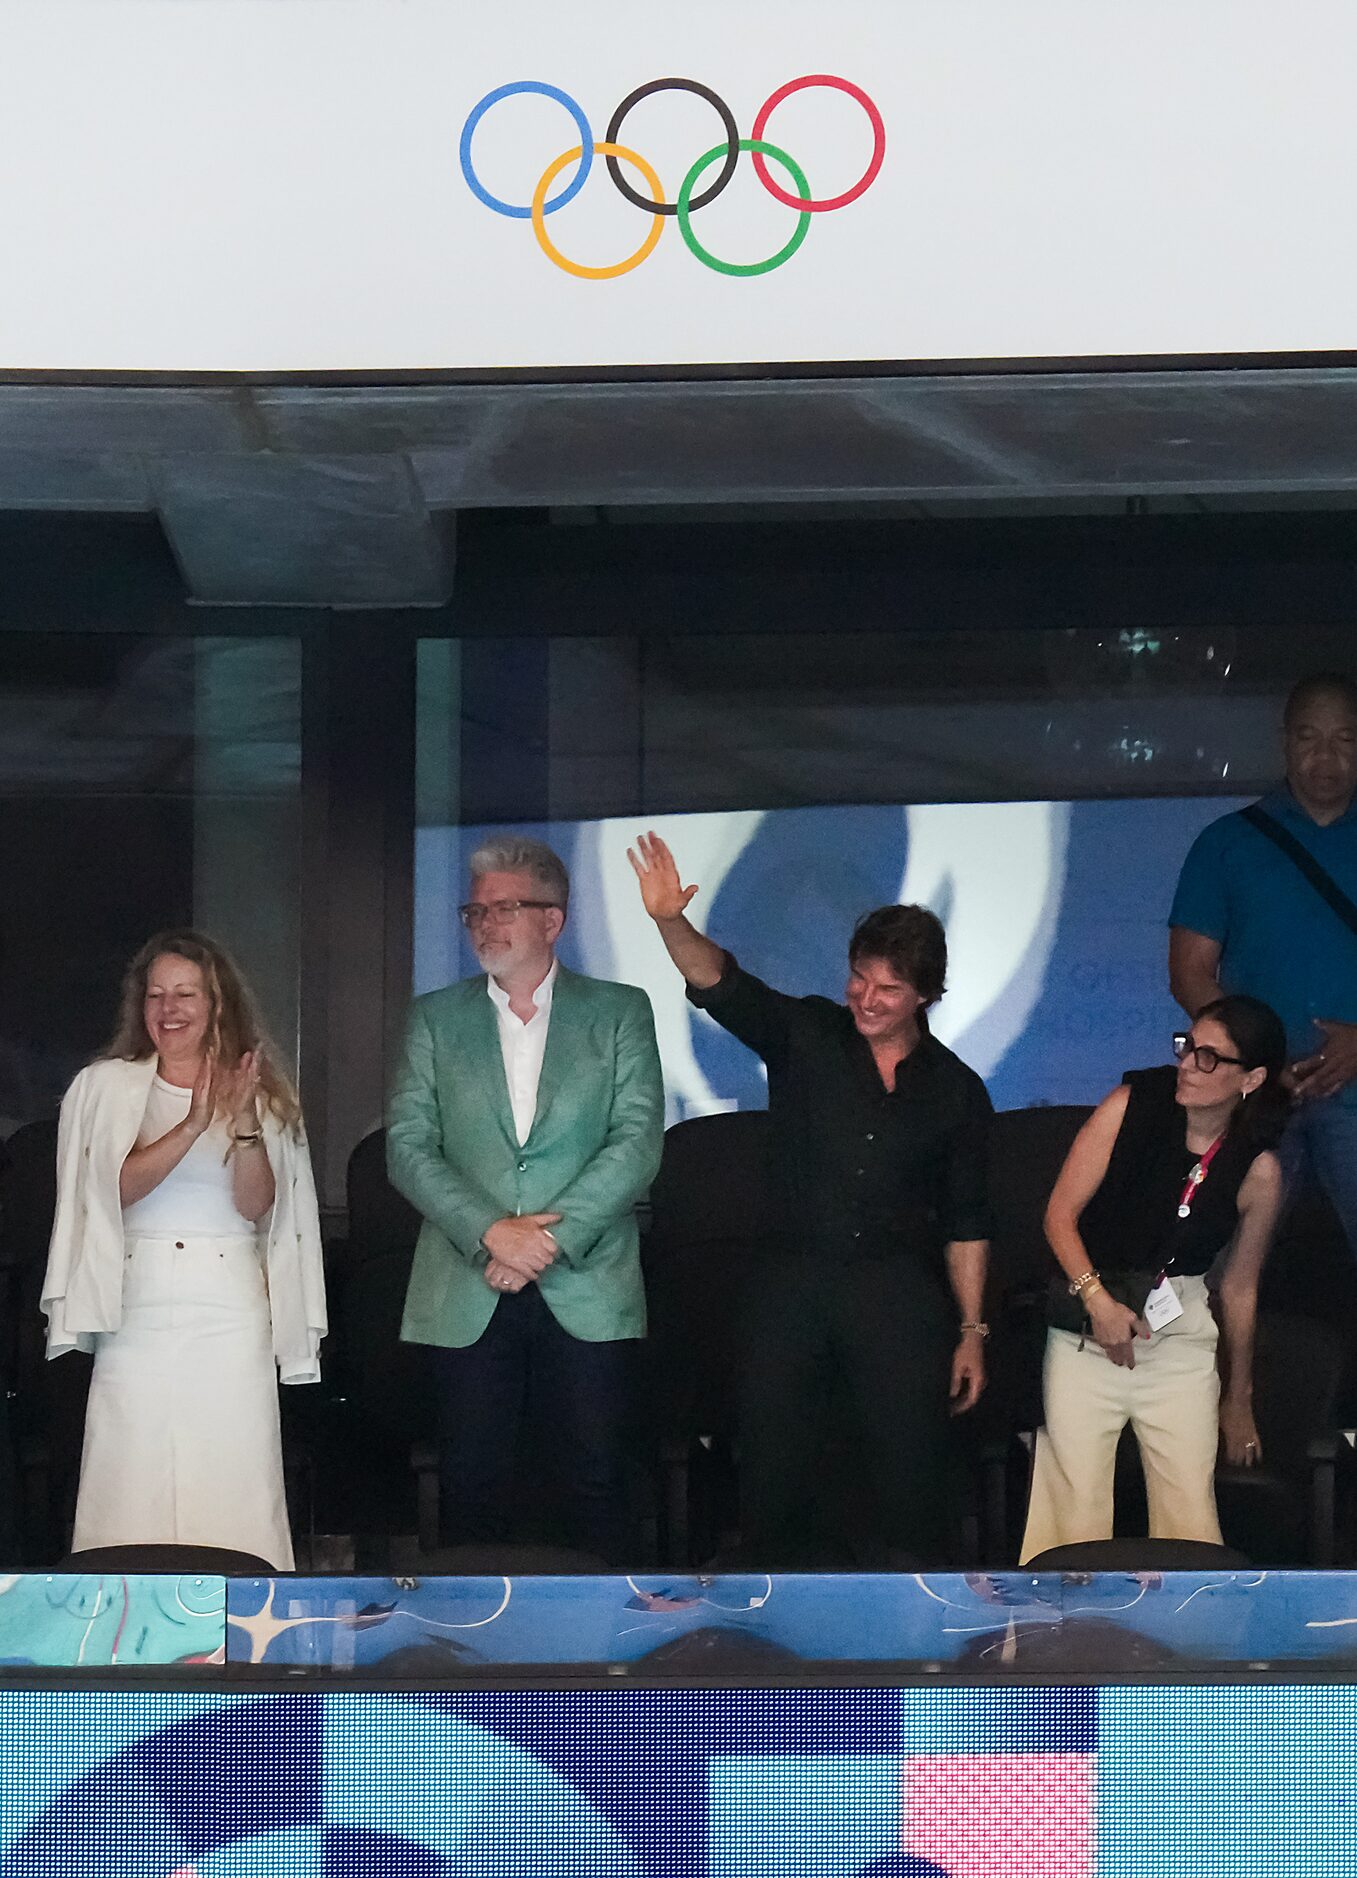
(717, 154)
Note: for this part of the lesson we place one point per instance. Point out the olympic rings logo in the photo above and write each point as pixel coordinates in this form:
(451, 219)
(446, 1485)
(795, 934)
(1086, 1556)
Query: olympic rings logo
(689, 199)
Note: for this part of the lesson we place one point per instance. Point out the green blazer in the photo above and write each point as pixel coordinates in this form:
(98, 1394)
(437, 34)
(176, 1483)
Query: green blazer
(593, 1151)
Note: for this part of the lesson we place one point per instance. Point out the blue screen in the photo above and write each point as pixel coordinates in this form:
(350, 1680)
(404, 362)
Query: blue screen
(1056, 917)
(1143, 1782)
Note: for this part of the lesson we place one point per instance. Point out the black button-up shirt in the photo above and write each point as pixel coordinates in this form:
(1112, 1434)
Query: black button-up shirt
(859, 1170)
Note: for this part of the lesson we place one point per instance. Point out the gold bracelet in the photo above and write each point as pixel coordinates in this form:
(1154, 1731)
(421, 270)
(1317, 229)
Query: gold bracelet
(1078, 1286)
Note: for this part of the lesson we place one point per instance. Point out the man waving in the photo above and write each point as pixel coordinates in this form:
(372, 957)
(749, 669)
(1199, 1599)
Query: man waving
(880, 1151)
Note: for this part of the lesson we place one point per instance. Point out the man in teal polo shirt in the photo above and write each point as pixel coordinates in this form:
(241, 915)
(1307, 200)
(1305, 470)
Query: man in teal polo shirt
(1245, 918)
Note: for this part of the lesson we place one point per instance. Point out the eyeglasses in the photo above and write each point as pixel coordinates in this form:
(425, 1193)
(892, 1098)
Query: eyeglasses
(476, 912)
(1202, 1054)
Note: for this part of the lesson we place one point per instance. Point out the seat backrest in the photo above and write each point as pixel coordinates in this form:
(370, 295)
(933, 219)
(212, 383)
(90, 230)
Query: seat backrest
(713, 1182)
(28, 1194)
(1138, 1555)
(1028, 1149)
(28, 1199)
(388, 1382)
(167, 1558)
(708, 1231)
(1310, 1259)
(1299, 1366)
(381, 1221)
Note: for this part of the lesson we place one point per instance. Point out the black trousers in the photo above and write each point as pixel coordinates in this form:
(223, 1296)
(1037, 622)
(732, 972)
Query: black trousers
(577, 1398)
(879, 1333)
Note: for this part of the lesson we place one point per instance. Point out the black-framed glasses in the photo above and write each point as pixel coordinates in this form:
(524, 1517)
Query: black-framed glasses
(1202, 1054)
(476, 912)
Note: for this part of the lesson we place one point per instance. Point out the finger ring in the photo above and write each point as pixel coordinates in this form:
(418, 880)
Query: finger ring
(1250, 1444)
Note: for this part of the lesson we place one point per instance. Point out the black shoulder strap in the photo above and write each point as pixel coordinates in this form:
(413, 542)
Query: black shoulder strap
(1319, 878)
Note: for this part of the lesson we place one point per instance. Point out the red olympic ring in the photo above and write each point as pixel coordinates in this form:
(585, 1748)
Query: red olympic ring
(869, 175)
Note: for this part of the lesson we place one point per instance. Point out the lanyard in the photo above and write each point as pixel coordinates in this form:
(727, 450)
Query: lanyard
(1197, 1176)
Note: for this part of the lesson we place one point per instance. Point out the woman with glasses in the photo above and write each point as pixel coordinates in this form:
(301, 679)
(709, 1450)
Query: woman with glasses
(1171, 1178)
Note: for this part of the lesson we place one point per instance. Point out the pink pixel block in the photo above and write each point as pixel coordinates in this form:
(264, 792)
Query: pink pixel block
(1001, 1815)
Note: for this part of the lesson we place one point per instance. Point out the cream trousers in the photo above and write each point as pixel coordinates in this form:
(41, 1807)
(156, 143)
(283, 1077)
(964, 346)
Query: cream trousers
(1171, 1399)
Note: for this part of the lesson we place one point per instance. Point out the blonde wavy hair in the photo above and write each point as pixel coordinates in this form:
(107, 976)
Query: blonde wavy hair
(234, 1025)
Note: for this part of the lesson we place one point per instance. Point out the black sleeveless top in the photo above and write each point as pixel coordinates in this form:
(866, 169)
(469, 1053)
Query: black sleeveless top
(1132, 1223)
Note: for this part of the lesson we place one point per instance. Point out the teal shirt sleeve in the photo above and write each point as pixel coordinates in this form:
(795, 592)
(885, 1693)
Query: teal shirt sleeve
(1201, 903)
(415, 1160)
(622, 1170)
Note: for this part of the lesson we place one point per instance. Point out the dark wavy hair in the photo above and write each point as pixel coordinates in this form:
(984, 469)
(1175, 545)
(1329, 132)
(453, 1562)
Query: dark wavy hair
(910, 940)
(1259, 1037)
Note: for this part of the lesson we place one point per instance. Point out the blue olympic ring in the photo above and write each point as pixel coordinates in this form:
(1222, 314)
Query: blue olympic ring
(569, 193)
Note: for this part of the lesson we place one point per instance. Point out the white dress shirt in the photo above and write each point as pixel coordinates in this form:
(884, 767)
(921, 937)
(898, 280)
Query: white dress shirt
(523, 1046)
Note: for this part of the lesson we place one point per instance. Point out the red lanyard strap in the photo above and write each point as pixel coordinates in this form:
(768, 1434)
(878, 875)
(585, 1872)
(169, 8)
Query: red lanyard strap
(1197, 1176)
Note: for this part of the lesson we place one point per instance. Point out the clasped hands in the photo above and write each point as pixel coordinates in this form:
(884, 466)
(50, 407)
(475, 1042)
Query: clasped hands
(521, 1247)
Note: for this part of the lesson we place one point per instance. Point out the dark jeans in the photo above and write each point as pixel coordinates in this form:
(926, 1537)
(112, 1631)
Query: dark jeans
(576, 1396)
(1323, 1135)
(881, 1333)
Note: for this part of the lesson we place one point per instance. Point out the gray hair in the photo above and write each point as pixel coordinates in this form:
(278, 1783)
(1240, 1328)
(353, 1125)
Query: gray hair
(519, 854)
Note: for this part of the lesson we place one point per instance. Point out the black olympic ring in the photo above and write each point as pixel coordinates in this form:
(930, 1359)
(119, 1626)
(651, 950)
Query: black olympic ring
(724, 174)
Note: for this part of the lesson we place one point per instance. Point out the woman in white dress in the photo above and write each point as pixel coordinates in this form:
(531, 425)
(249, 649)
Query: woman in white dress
(186, 1254)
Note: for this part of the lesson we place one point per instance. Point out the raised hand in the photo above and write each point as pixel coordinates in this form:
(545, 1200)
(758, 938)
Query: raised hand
(662, 891)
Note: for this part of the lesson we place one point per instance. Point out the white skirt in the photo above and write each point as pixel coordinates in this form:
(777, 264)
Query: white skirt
(182, 1445)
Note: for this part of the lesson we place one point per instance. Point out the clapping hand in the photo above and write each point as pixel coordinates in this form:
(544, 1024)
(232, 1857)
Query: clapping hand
(202, 1106)
(662, 891)
(240, 1094)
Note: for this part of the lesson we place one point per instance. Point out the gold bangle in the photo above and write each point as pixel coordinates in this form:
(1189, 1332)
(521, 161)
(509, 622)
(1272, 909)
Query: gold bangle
(1078, 1286)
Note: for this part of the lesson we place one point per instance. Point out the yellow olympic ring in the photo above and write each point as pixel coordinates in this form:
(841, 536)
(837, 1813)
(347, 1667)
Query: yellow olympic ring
(539, 220)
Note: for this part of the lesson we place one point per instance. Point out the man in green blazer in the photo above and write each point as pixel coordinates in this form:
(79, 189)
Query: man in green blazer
(525, 1123)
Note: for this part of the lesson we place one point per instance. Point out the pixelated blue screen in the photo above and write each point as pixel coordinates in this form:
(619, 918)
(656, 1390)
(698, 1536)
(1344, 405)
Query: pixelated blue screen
(1130, 1782)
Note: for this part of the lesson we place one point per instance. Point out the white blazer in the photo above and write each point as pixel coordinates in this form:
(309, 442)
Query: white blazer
(101, 1116)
